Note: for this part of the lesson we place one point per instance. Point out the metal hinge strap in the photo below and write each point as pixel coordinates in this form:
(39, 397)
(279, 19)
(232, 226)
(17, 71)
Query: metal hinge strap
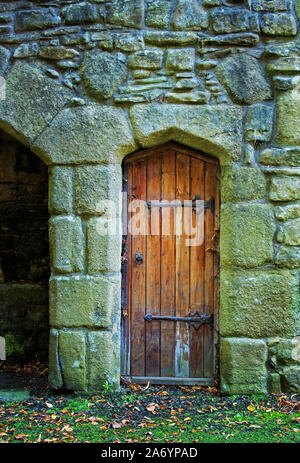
(196, 319)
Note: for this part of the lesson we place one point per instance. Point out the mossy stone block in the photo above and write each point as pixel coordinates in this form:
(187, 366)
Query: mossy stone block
(181, 59)
(72, 355)
(103, 72)
(288, 117)
(98, 190)
(288, 257)
(247, 232)
(285, 188)
(104, 245)
(67, 244)
(280, 157)
(104, 360)
(241, 183)
(292, 232)
(86, 134)
(159, 13)
(257, 304)
(243, 366)
(32, 101)
(216, 130)
(244, 78)
(55, 376)
(61, 190)
(84, 301)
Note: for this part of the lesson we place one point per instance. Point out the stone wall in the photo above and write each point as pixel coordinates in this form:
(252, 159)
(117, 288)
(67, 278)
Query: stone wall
(88, 83)
(24, 252)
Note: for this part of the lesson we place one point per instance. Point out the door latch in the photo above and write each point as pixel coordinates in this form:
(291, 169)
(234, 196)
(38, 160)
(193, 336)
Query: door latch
(139, 258)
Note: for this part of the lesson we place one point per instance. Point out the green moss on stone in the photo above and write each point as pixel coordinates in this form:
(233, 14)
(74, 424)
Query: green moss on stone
(258, 304)
(247, 232)
(240, 183)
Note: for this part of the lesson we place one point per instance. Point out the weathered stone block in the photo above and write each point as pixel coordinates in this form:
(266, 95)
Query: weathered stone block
(54, 378)
(195, 96)
(86, 134)
(242, 184)
(58, 53)
(129, 42)
(268, 5)
(288, 351)
(180, 59)
(126, 13)
(247, 234)
(281, 24)
(288, 257)
(61, 190)
(243, 366)
(26, 50)
(84, 301)
(36, 19)
(67, 246)
(285, 64)
(72, 355)
(211, 2)
(189, 15)
(4, 59)
(285, 188)
(104, 245)
(259, 123)
(103, 72)
(247, 39)
(292, 232)
(104, 360)
(215, 130)
(226, 20)
(170, 38)
(30, 107)
(244, 79)
(291, 211)
(291, 379)
(288, 117)
(146, 59)
(159, 13)
(280, 157)
(98, 189)
(258, 304)
(274, 385)
(80, 13)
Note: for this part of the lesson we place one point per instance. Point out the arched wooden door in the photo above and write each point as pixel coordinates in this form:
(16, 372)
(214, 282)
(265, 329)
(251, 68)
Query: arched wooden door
(170, 266)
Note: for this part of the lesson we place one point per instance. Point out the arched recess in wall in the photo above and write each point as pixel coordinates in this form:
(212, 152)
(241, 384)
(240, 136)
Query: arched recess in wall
(24, 252)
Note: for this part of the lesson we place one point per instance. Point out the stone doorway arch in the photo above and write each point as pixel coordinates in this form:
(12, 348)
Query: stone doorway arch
(84, 145)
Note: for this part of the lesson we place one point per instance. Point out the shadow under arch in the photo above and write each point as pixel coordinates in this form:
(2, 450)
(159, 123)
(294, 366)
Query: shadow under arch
(24, 252)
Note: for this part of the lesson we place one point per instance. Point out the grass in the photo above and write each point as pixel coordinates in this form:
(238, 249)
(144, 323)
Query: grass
(158, 414)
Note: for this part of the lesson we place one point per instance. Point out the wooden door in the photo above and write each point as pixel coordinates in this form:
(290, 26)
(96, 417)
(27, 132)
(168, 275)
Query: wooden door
(170, 266)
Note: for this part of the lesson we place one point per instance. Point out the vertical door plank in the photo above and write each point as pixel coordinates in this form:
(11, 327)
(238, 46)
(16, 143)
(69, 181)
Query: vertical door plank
(168, 250)
(182, 349)
(210, 178)
(197, 271)
(138, 275)
(153, 267)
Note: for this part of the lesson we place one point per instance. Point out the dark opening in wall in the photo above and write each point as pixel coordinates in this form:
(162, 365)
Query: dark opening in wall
(24, 252)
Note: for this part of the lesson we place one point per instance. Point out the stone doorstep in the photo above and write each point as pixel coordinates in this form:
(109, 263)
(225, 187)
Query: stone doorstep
(14, 395)
(12, 388)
